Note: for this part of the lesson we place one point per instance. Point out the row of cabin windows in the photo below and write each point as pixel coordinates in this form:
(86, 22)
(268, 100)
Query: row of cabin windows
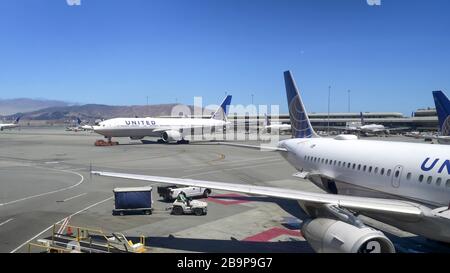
(353, 166)
(369, 169)
(430, 179)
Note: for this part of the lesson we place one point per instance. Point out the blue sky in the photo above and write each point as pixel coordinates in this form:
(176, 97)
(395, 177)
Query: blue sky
(120, 51)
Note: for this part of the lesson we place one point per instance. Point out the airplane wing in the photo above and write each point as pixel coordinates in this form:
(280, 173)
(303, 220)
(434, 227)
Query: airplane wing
(261, 147)
(177, 128)
(358, 204)
(398, 129)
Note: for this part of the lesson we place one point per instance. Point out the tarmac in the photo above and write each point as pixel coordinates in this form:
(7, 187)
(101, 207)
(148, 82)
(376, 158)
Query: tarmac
(45, 179)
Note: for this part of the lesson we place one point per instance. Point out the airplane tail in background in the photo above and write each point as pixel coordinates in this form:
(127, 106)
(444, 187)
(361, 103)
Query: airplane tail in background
(78, 121)
(443, 111)
(17, 119)
(300, 124)
(362, 118)
(221, 112)
(266, 120)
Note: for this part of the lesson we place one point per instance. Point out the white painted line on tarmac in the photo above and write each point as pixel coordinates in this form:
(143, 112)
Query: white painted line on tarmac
(50, 192)
(7, 221)
(73, 197)
(45, 230)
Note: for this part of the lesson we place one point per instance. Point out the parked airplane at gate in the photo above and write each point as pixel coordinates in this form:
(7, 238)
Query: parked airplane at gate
(370, 129)
(443, 110)
(169, 129)
(10, 125)
(406, 185)
(278, 126)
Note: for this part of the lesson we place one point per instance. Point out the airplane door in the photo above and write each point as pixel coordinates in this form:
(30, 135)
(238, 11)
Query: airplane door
(397, 176)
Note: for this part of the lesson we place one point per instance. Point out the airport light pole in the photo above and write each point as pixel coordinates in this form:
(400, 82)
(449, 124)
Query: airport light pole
(348, 100)
(329, 95)
(252, 99)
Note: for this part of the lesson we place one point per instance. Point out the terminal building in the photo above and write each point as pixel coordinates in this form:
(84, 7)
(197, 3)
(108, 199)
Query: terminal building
(423, 120)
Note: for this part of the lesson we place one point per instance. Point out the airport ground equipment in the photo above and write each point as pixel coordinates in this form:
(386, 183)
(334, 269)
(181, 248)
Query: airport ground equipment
(101, 142)
(170, 193)
(185, 205)
(136, 199)
(73, 239)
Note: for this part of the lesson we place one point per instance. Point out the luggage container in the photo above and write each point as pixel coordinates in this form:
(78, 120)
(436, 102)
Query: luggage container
(136, 199)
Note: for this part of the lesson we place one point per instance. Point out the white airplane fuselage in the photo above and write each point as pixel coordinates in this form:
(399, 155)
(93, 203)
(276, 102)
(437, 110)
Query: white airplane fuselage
(372, 128)
(279, 127)
(8, 126)
(142, 127)
(410, 171)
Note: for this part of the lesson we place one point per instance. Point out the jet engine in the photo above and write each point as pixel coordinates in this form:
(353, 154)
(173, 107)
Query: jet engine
(332, 236)
(171, 136)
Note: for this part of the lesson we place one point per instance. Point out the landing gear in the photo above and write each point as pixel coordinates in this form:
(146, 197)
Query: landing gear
(183, 141)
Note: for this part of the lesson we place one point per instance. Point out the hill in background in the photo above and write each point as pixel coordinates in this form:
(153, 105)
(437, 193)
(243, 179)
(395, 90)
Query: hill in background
(22, 105)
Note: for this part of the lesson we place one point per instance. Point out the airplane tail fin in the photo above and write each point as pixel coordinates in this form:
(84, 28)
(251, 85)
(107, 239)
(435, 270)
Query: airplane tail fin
(300, 124)
(266, 120)
(362, 118)
(221, 112)
(443, 110)
(17, 119)
(78, 121)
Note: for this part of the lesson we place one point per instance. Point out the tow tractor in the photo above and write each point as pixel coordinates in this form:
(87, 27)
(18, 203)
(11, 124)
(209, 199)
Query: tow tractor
(101, 142)
(185, 205)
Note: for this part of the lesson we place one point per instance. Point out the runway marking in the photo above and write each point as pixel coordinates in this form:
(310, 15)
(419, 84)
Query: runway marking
(50, 192)
(272, 233)
(45, 230)
(7, 221)
(236, 168)
(73, 197)
(216, 199)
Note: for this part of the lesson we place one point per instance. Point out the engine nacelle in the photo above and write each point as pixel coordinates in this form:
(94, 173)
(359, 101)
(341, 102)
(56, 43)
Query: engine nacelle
(136, 137)
(332, 236)
(171, 136)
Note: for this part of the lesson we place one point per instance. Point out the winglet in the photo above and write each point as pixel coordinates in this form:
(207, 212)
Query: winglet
(443, 110)
(300, 124)
(224, 107)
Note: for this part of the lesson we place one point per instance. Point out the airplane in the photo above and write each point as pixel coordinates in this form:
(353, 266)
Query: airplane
(405, 185)
(369, 129)
(10, 125)
(443, 110)
(169, 129)
(278, 126)
(75, 128)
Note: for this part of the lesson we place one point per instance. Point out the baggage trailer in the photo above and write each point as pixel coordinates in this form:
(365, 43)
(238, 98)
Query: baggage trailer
(136, 199)
(74, 239)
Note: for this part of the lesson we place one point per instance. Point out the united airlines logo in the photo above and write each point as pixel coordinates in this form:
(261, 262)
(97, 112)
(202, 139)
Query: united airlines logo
(446, 127)
(300, 126)
(427, 165)
(140, 122)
